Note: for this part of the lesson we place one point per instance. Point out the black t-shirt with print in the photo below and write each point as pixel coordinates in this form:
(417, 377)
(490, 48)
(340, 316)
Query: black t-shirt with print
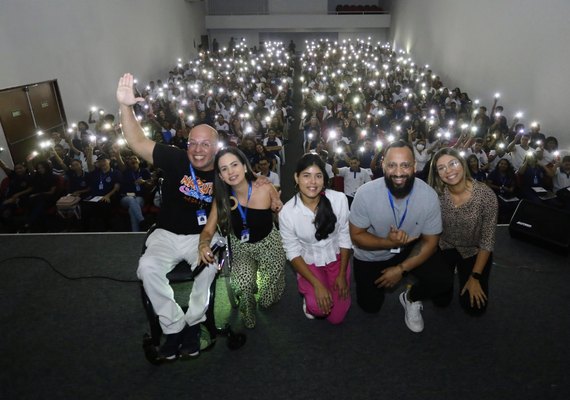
(180, 199)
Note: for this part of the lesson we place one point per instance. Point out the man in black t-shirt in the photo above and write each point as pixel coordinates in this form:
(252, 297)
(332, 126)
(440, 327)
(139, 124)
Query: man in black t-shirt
(187, 194)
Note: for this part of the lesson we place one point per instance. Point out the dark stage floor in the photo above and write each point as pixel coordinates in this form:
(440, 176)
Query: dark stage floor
(81, 339)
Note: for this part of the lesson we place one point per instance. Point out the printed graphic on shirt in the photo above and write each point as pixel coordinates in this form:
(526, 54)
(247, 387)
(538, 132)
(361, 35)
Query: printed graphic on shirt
(204, 190)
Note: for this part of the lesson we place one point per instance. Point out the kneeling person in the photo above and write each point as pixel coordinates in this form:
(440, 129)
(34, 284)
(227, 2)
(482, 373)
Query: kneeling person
(395, 223)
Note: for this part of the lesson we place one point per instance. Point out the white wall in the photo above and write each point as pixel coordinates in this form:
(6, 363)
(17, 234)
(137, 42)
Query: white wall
(298, 6)
(299, 22)
(86, 45)
(516, 47)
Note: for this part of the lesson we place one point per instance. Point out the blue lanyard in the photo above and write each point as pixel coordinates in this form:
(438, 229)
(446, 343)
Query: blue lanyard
(399, 225)
(200, 195)
(243, 212)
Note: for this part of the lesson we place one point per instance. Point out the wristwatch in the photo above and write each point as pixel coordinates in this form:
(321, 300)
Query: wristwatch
(476, 275)
(404, 272)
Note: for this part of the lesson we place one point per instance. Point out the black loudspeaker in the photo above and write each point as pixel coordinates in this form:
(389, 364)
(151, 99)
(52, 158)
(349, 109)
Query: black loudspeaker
(542, 225)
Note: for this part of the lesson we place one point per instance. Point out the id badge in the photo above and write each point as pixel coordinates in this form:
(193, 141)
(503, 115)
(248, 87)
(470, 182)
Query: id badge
(395, 250)
(201, 217)
(101, 186)
(244, 236)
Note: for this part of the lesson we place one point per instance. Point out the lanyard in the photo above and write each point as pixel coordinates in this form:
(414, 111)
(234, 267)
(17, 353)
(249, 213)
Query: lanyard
(102, 177)
(399, 225)
(195, 181)
(243, 212)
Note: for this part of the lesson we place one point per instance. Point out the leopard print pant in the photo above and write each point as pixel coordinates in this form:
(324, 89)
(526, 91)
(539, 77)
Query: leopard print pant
(261, 263)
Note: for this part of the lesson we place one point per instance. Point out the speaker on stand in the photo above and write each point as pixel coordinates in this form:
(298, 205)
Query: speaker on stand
(542, 225)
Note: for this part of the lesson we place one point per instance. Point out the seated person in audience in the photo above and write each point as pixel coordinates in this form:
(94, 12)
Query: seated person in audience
(104, 184)
(366, 153)
(180, 139)
(315, 234)
(519, 148)
(82, 148)
(222, 126)
(354, 177)
(561, 181)
(261, 152)
(474, 169)
(497, 154)
(477, 150)
(57, 139)
(469, 217)
(536, 137)
(546, 151)
(43, 195)
(247, 146)
(263, 164)
(328, 167)
(272, 143)
(134, 183)
(502, 180)
(77, 180)
(59, 160)
(533, 175)
(19, 188)
(423, 155)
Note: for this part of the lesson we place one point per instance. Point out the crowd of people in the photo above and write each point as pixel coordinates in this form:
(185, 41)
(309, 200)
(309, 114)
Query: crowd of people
(358, 97)
(245, 94)
(426, 173)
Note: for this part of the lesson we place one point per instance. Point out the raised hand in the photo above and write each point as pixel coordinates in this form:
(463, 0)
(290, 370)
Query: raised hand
(125, 94)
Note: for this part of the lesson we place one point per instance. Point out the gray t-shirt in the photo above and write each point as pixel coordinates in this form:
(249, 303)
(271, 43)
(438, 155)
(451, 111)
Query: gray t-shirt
(371, 210)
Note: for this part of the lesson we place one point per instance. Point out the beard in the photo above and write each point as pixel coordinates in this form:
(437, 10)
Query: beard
(403, 190)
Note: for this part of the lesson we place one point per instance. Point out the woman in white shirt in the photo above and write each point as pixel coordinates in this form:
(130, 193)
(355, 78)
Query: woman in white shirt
(315, 235)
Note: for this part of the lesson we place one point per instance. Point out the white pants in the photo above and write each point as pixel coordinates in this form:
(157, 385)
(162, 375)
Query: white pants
(164, 250)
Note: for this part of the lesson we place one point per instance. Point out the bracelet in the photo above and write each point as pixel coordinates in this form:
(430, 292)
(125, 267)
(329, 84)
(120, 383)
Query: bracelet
(476, 275)
(404, 272)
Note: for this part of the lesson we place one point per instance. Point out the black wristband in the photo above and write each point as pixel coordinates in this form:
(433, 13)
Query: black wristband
(476, 275)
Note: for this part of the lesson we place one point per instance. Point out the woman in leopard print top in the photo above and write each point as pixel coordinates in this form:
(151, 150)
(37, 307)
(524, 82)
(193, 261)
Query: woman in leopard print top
(469, 215)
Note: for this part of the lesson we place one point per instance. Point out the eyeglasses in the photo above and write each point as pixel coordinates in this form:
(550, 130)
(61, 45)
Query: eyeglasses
(205, 144)
(404, 166)
(453, 164)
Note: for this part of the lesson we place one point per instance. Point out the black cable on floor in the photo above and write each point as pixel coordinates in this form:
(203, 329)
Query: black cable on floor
(71, 278)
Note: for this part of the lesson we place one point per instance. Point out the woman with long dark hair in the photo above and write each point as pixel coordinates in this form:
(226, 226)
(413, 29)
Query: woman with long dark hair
(243, 211)
(469, 216)
(314, 230)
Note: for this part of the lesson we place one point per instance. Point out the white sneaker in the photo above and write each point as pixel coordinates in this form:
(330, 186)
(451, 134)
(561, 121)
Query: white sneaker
(413, 316)
(309, 316)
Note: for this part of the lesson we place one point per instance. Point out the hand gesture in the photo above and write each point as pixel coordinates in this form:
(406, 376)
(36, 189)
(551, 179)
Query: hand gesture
(476, 295)
(389, 277)
(205, 253)
(324, 298)
(399, 237)
(125, 94)
(341, 286)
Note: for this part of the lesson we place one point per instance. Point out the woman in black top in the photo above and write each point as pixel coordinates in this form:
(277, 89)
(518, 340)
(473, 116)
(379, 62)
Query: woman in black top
(243, 211)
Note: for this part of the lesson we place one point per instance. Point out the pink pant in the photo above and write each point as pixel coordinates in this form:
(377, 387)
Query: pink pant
(327, 276)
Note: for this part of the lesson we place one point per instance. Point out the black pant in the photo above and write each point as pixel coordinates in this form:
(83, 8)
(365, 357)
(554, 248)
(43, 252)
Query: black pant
(464, 268)
(435, 281)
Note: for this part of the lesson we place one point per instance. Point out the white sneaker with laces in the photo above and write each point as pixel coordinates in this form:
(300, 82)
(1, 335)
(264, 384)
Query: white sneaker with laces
(309, 316)
(413, 315)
